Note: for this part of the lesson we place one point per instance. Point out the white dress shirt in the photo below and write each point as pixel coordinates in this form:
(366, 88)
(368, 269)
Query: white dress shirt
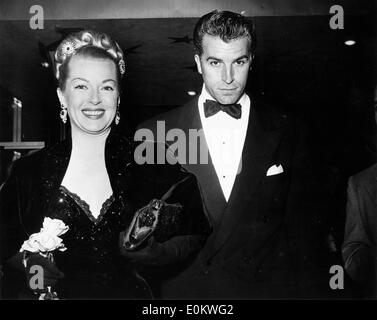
(225, 137)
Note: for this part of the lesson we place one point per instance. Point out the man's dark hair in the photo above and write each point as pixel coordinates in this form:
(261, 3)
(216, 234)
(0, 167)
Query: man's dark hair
(224, 24)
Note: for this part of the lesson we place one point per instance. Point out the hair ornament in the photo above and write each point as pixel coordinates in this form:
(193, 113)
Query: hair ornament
(71, 45)
(122, 66)
(68, 48)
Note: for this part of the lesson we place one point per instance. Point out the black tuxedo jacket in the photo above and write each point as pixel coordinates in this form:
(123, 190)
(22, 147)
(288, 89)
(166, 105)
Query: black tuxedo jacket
(360, 238)
(256, 247)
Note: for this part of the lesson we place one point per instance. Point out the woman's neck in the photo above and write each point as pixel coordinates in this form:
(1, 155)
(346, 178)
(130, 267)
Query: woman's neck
(88, 144)
(86, 174)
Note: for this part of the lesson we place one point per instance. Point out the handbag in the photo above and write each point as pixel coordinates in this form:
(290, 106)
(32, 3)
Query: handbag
(159, 218)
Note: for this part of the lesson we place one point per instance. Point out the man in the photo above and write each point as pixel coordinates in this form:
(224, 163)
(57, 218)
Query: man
(359, 248)
(251, 181)
(360, 238)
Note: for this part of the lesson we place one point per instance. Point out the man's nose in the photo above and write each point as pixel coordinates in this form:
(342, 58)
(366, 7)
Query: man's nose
(228, 74)
(95, 98)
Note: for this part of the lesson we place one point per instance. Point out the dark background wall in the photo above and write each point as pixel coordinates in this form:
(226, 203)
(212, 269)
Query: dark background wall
(301, 64)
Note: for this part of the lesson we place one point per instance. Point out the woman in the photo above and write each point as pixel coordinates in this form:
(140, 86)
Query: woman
(92, 183)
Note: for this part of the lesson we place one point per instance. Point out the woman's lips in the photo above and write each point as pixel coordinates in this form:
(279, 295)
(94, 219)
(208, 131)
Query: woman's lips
(93, 114)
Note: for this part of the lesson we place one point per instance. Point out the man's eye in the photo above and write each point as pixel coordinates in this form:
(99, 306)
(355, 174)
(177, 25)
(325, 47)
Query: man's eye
(214, 63)
(240, 62)
(81, 86)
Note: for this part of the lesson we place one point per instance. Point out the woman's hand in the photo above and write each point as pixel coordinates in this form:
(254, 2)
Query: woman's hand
(151, 254)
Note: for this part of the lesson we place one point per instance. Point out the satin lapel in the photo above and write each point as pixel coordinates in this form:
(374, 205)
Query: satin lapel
(259, 153)
(212, 194)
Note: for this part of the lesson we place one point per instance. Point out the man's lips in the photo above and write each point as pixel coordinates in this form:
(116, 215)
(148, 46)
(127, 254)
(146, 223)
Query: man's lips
(93, 113)
(228, 91)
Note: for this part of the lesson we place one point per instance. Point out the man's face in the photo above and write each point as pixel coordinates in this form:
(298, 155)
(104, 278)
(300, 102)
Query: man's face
(224, 67)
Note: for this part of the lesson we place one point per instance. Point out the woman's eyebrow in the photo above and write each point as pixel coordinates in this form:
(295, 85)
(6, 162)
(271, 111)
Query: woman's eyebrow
(107, 80)
(78, 78)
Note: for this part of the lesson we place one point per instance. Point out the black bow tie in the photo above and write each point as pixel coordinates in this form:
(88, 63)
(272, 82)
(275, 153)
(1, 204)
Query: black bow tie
(212, 107)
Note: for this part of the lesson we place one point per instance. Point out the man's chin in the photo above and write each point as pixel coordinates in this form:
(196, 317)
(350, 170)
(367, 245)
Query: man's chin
(228, 101)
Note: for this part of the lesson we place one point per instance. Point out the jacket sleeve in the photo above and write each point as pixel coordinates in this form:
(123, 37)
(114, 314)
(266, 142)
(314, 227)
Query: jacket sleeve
(358, 251)
(152, 181)
(195, 227)
(16, 205)
(10, 228)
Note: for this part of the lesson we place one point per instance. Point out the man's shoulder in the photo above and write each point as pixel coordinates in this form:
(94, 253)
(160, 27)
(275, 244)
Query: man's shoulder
(366, 178)
(170, 117)
(33, 162)
(271, 115)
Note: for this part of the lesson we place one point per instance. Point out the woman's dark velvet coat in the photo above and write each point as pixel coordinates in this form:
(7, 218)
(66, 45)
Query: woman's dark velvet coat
(35, 179)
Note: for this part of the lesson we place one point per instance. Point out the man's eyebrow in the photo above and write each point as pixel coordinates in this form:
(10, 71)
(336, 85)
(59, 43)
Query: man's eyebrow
(213, 58)
(245, 56)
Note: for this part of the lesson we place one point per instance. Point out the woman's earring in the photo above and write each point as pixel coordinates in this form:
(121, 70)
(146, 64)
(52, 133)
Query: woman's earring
(117, 118)
(63, 114)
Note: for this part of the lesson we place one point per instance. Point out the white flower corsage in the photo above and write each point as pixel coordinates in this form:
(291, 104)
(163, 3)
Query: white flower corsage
(46, 240)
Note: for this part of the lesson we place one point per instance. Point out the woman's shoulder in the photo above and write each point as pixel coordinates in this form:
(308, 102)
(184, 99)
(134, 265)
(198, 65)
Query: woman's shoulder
(31, 163)
(28, 163)
(148, 161)
(153, 161)
(118, 145)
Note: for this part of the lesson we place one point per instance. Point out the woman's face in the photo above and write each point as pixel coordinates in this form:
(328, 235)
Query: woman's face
(91, 93)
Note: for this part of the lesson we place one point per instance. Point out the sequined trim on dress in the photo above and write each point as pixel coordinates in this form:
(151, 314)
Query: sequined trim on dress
(85, 207)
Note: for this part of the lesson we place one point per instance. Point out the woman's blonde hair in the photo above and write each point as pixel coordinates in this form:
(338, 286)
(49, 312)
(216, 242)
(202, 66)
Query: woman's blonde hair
(87, 43)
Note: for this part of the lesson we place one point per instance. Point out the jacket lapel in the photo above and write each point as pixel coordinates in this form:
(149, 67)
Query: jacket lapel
(188, 118)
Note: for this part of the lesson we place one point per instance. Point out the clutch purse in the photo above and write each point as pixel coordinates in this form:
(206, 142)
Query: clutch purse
(159, 218)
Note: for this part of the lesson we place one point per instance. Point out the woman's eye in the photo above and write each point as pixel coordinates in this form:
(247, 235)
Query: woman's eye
(109, 88)
(81, 86)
